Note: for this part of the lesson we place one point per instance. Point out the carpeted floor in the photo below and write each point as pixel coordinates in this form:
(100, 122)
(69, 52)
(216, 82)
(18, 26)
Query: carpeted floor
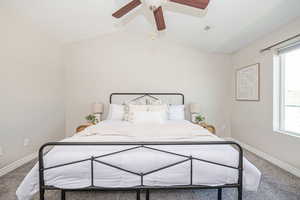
(276, 184)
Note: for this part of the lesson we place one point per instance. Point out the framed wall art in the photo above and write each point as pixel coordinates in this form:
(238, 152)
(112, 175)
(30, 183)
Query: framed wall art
(247, 83)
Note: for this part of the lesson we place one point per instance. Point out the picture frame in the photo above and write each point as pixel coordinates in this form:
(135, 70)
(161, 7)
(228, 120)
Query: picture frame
(247, 83)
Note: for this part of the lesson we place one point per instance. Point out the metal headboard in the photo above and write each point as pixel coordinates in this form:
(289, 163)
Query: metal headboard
(146, 94)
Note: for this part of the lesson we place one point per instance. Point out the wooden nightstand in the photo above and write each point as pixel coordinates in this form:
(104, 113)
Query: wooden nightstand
(210, 128)
(82, 127)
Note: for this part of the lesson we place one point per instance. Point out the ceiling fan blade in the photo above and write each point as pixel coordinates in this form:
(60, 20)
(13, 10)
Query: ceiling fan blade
(159, 18)
(202, 4)
(127, 8)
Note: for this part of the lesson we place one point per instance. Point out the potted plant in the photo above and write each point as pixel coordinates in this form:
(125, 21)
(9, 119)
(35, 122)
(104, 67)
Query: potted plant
(199, 119)
(92, 119)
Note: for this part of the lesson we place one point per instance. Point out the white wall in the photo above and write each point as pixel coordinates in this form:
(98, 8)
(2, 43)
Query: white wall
(123, 62)
(31, 88)
(252, 122)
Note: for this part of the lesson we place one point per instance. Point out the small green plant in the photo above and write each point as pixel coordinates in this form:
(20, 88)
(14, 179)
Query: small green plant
(199, 118)
(92, 119)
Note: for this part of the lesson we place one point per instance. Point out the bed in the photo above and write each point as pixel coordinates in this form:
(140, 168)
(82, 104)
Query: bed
(120, 155)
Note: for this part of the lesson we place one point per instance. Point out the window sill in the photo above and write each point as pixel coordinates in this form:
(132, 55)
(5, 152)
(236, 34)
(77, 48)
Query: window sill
(293, 134)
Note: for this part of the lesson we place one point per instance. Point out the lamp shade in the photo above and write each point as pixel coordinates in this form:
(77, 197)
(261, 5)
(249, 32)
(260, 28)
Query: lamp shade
(195, 108)
(97, 108)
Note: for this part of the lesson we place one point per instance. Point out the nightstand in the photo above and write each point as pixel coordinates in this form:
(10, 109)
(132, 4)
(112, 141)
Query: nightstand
(210, 128)
(82, 127)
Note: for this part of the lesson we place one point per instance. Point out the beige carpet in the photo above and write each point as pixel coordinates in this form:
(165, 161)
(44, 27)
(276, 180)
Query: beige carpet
(276, 184)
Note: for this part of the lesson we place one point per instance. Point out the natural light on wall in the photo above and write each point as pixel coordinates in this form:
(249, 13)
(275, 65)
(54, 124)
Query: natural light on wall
(287, 91)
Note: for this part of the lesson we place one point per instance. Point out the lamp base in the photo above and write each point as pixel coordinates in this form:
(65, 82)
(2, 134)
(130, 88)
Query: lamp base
(193, 117)
(98, 116)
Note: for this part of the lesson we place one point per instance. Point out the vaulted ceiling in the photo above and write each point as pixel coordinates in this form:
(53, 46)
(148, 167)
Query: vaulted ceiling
(233, 23)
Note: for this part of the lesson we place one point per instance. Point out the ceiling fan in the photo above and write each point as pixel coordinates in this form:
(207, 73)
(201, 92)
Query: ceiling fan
(156, 7)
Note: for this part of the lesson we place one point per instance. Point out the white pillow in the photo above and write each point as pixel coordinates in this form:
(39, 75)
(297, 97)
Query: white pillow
(148, 117)
(176, 112)
(116, 112)
(136, 108)
(162, 107)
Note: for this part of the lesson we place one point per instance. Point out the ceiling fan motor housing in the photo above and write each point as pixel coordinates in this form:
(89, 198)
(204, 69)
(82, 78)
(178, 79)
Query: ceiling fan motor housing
(154, 4)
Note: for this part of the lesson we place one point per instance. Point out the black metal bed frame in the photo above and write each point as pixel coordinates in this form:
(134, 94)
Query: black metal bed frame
(135, 145)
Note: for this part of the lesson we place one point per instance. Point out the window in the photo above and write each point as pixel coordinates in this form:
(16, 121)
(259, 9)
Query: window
(287, 78)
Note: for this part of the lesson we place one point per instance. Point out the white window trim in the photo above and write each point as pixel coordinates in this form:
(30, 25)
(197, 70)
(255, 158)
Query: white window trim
(281, 92)
(278, 95)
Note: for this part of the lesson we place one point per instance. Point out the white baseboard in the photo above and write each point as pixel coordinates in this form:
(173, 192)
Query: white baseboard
(283, 165)
(17, 164)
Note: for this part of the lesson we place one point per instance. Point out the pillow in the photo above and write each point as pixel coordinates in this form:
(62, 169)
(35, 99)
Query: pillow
(130, 109)
(176, 112)
(146, 100)
(116, 112)
(148, 117)
(126, 107)
(162, 107)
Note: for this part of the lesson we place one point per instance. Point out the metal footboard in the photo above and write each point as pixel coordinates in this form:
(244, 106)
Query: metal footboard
(141, 187)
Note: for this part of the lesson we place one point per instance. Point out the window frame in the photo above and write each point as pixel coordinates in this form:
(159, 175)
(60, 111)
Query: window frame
(279, 92)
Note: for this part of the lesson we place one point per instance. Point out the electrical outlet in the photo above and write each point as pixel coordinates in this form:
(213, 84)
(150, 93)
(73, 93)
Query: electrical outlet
(26, 142)
(1, 151)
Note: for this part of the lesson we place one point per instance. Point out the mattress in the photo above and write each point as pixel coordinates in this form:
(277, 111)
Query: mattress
(141, 159)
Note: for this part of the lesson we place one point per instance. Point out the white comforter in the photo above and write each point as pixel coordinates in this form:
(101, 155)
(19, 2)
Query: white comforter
(140, 160)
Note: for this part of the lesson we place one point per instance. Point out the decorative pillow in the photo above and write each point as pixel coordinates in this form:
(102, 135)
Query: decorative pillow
(148, 117)
(130, 102)
(176, 112)
(130, 109)
(116, 112)
(141, 101)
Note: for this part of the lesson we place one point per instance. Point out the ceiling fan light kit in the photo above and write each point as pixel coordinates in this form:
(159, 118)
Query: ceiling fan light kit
(155, 3)
(156, 7)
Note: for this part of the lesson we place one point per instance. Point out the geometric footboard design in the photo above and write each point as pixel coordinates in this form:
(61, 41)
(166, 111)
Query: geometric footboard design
(153, 146)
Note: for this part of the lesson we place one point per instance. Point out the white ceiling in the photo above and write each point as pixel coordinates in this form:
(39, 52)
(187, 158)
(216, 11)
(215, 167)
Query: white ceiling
(235, 23)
